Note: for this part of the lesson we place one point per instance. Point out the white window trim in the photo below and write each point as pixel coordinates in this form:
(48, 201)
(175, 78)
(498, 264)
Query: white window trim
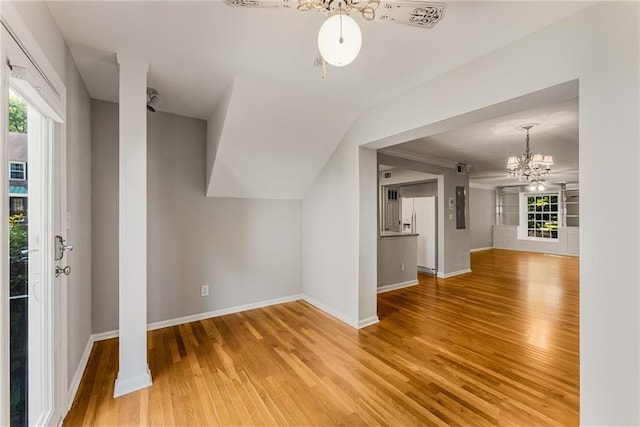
(523, 227)
(24, 170)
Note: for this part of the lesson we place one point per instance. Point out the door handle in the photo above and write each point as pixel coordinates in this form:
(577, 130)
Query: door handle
(63, 270)
(61, 247)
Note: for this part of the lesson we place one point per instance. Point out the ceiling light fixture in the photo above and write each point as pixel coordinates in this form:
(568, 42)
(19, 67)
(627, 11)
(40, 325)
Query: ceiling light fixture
(339, 38)
(529, 166)
(537, 185)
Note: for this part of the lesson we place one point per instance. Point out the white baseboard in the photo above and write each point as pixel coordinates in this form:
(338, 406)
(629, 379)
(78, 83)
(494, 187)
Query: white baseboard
(129, 385)
(75, 382)
(207, 315)
(330, 311)
(486, 248)
(222, 312)
(368, 322)
(453, 273)
(101, 336)
(394, 286)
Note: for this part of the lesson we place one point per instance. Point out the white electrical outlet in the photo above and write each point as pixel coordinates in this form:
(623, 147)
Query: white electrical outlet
(402, 267)
(204, 291)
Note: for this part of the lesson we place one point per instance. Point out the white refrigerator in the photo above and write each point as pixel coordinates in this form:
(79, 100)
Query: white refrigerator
(419, 216)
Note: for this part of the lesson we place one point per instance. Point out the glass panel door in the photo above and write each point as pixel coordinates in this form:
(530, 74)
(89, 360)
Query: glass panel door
(18, 259)
(30, 293)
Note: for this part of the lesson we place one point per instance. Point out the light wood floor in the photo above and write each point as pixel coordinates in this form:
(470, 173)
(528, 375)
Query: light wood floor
(496, 346)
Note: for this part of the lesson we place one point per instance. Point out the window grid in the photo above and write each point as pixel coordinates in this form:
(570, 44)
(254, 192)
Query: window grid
(542, 216)
(17, 171)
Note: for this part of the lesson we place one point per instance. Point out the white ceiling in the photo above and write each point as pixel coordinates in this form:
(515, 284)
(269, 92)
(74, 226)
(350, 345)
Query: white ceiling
(196, 49)
(485, 146)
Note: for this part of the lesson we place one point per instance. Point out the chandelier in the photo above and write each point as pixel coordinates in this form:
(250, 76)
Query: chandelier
(528, 166)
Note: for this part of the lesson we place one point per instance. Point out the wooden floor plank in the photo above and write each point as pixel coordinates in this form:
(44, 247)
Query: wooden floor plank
(498, 346)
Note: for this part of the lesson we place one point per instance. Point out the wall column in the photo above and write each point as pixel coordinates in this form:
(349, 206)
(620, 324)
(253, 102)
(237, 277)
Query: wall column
(133, 371)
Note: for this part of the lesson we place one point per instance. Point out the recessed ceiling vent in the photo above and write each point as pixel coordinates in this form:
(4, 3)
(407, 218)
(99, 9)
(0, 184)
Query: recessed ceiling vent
(387, 175)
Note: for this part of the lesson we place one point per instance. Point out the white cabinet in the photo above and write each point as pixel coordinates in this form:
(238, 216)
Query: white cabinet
(504, 236)
(573, 241)
(568, 242)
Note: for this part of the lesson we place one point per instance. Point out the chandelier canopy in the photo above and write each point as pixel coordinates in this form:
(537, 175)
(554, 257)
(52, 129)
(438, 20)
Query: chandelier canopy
(528, 166)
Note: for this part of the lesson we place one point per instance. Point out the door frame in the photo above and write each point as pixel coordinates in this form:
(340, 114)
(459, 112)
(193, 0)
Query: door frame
(52, 103)
(5, 408)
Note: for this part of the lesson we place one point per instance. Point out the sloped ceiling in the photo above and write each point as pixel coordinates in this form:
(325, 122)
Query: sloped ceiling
(274, 141)
(196, 50)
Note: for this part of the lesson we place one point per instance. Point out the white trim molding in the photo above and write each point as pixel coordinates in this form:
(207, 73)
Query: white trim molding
(481, 186)
(77, 377)
(330, 311)
(486, 248)
(34, 67)
(217, 313)
(453, 273)
(132, 384)
(101, 336)
(368, 322)
(408, 155)
(394, 286)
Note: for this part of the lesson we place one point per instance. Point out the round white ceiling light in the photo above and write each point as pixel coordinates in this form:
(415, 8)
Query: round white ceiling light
(339, 40)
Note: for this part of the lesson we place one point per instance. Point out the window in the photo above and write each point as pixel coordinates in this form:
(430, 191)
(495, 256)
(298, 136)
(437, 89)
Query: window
(16, 206)
(542, 216)
(18, 171)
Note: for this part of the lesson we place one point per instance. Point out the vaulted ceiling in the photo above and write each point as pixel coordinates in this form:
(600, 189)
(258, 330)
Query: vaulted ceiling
(197, 49)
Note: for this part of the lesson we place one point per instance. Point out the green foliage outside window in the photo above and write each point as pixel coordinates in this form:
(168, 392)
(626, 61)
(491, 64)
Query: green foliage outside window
(542, 216)
(17, 114)
(18, 243)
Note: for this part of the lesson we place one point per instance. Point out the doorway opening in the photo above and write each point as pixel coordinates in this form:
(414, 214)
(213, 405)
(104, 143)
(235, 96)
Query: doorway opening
(408, 226)
(34, 312)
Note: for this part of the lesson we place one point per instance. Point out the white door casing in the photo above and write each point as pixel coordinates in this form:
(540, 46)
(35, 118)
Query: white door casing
(36, 80)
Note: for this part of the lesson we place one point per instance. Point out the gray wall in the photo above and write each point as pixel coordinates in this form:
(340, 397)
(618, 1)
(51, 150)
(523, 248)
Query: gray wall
(246, 250)
(38, 18)
(392, 253)
(482, 216)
